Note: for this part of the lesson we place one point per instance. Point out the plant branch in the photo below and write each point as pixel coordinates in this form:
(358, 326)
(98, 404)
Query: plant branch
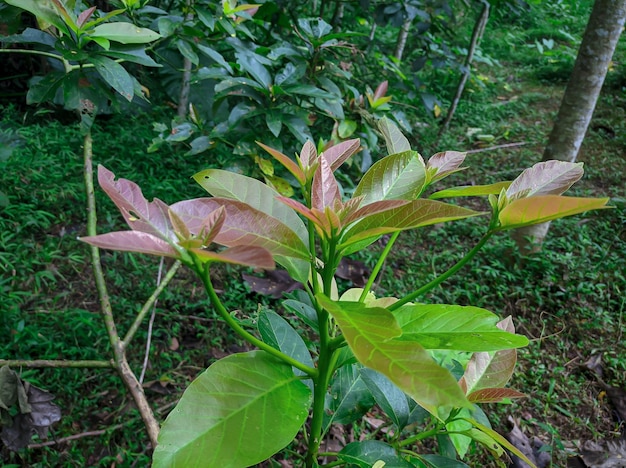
(379, 265)
(250, 338)
(440, 279)
(57, 363)
(149, 303)
(121, 363)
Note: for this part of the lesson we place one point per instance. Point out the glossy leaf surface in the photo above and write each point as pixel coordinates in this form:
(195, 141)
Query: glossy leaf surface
(394, 139)
(366, 453)
(219, 418)
(349, 398)
(398, 176)
(372, 336)
(535, 210)
(445, 163)
(471, 191)
(462, 328)
(125, 33)
(388, 396)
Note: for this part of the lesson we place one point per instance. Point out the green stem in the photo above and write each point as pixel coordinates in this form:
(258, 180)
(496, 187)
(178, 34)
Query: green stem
(148, 304)
(440, 279)
(325, 367)
(66, 65)
(57, 363)
(420, 436)
(215, 300)
(378, 266)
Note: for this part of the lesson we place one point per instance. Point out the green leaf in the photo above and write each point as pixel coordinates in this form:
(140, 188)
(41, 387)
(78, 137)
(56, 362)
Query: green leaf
(216, 56)
(43, 10)
(240, 411)
(125, 33)
(187, 51)
(535, 210)
(411, 215)
(135, 54)
(471, 191)
(349, 397)
(442, 326)
(366, 453)
(389, 397)
(277, 332)
(394, 139)
(45, 88)
(115, 75)
(346, 128)
(255, 69)
(398, 176)
(372, 334)
(309, 90)
(273, 122)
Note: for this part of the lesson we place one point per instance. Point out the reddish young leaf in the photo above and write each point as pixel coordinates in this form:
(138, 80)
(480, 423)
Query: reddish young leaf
(308, 155)
(140, 215)
(545, 178)
(132, 241)
(84, 16)
(336, 155)
(243, 225)
(246, 255)
(286, 161)
(494, 395)
(445, 163)
(325, 190)
(381, 90)
(373, 208)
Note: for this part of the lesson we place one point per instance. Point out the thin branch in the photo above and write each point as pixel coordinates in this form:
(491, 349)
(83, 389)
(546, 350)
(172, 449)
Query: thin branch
(146, 357)
(497, 147)
(150, 302)
(76, 437)
(57, 363)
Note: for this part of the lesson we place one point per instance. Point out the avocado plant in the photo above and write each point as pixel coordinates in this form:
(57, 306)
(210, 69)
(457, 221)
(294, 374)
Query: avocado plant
(417, 361)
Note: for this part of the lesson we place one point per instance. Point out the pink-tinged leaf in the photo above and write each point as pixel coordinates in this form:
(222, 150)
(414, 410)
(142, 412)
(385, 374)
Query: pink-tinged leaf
(286, 161)
(372, 334)
(445, 163)
(246, 255)
(243, 225)
(317, 217)
(225, 184)
(394, 139)
(212, 225)
(325, 190)
(490, 370)
(65, 14)
(535, 210)
(471, 191)
(308, 155)
(494, 395)
(84, 16)
(178, 225)
(381, 90)
(414, 214)
(140, 215)
(133, 241)
(545, 178)
(398, 176)
(373, 208)
(337, 154)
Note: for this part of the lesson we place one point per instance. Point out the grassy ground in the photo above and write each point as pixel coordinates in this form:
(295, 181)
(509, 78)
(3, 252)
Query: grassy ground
(567, 299)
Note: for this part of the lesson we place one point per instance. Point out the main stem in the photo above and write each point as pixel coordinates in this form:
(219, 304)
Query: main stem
(119, 355)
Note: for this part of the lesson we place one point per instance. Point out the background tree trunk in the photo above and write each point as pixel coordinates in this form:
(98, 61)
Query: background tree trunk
(402, 38)
(579, 101)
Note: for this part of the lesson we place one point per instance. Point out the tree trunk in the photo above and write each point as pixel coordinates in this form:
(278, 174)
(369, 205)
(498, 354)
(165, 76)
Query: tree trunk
(579, 101)
(185, 84)
(402, 38)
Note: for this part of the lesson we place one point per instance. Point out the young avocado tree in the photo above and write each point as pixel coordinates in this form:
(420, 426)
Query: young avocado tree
(86, 49)
(331, 355)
